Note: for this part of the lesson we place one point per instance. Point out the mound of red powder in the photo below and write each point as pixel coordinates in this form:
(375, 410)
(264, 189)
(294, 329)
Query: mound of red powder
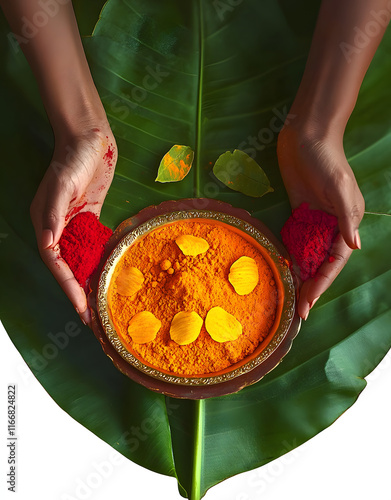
(82, 245)
(308, 236)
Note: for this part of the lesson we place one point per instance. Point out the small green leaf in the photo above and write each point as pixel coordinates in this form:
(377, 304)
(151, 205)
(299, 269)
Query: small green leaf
(240, 172)
(175, 164)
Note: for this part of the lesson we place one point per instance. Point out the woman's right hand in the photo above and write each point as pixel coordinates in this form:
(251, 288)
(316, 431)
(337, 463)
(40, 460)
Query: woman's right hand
(79, 174)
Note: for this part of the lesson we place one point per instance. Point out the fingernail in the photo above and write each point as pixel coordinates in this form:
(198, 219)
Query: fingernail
(306, 316)
(357, 240)
(85, 316)
(80, 316)
(314, 302)
(47, 238)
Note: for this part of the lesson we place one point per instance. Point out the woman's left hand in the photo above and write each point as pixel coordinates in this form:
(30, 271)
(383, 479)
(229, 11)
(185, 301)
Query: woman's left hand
(315, 170)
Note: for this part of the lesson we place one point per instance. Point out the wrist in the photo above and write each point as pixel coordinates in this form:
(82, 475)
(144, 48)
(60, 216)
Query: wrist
(305, 134)
(97, 133)
(76, 109)
(310, 125)
(320, 111)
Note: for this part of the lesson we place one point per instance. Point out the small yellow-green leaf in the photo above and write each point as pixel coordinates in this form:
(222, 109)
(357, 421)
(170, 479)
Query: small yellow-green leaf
(175, 164)
(240, 172)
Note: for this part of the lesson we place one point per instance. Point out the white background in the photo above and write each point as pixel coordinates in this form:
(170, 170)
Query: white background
(350, 459)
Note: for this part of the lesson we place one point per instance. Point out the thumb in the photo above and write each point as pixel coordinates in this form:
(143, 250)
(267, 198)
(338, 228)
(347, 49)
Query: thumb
(349, 208)
(53, 216)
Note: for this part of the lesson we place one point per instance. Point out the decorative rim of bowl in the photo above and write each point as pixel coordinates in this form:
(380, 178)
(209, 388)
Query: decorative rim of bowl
(287, 313)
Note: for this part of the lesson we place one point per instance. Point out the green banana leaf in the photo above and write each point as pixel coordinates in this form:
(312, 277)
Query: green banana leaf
(212, 75)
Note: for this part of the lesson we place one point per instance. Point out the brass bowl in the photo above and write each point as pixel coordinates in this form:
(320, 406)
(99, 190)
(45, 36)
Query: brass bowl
(252, 368)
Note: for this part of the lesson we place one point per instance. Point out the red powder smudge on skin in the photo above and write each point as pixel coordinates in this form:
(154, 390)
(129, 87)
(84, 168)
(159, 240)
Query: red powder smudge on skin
(308, 236)
(74, 211)
(331, 259)
(82, 245)
(109, 153)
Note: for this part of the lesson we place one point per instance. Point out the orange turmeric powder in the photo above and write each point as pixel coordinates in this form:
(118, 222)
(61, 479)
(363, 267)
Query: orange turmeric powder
(193, 283)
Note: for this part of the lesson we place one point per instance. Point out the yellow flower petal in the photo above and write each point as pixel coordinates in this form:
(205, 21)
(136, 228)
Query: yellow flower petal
(222, 326)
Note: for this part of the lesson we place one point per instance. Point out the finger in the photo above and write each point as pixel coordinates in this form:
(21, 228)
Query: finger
(326, 274)
(349, 208)
(54, 213)
(36, 209)
(67, 281)
(303, 305)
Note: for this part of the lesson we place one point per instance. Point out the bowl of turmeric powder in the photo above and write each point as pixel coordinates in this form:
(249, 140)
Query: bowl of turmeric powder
(195, 302)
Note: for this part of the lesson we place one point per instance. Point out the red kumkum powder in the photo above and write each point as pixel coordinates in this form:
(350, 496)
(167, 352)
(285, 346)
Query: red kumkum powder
(82, 245)
(308, 236)
(109, 155)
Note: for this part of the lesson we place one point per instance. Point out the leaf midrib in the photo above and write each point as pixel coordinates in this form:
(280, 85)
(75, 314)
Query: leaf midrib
(199, 426)
(200, 90)
(199, 406)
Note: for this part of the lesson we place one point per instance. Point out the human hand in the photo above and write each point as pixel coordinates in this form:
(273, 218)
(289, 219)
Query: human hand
(310, 148)
(315, 170)
(79, 175)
